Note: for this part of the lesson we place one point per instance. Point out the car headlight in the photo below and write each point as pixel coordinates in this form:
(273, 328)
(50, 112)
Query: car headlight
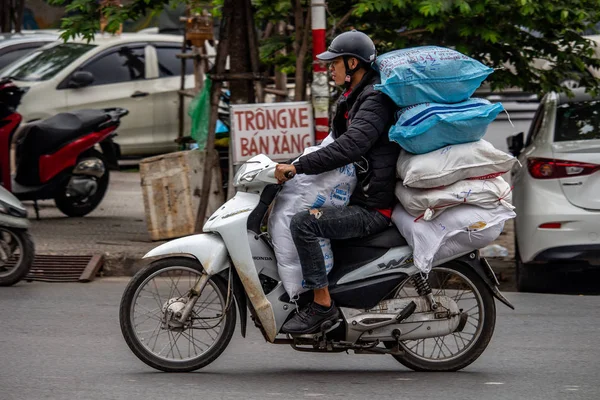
(244, 176)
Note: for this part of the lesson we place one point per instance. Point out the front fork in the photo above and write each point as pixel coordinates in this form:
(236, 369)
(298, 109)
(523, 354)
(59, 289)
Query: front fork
(194, 295)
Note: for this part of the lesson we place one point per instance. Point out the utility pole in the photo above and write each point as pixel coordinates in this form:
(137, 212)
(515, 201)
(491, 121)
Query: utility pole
(320, 83)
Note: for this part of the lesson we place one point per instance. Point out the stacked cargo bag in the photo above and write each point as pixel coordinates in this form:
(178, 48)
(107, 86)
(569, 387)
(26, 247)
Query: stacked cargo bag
(443, 167)
(452, 197)
(455, 232)
(468, 173)
(426, 127)
(429, 74)
(452, 200)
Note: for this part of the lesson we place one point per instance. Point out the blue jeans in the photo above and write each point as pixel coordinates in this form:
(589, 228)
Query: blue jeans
(331, 223)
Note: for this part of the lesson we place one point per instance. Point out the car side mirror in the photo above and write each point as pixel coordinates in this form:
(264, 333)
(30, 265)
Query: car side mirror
(81, 79)
(515, 144)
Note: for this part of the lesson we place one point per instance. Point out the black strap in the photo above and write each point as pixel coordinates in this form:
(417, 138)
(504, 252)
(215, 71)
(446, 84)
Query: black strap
(349, 72)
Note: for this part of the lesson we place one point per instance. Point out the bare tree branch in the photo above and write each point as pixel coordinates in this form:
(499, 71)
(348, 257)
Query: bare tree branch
(268, 30)
(412, 32)
(342, 21)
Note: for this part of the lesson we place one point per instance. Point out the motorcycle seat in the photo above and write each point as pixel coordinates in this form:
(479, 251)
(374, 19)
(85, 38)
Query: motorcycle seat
(48, 136)
(65, 127)
(386, 239)
(351, 254)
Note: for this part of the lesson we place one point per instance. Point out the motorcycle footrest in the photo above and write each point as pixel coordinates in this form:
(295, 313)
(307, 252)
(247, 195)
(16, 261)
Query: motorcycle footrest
(406, 312)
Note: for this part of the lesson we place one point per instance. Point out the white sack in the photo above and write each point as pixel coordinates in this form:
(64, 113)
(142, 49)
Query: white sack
(330, 189)
(429, 203)
(453, 163)
(458, 231)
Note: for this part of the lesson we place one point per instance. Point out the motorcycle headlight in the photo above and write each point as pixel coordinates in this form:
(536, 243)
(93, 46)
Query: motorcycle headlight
(10, 210)
(244, 175)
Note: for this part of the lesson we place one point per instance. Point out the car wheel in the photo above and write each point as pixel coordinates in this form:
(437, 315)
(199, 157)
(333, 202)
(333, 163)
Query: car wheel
(528, 276)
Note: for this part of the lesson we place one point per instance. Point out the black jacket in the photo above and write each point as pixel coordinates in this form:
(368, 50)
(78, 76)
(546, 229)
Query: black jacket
(361, 139)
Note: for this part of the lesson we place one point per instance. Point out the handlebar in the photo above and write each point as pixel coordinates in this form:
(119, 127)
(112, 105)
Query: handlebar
(289, 174)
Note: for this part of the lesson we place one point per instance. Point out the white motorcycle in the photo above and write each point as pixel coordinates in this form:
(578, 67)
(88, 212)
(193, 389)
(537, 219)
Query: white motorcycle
(178, 313)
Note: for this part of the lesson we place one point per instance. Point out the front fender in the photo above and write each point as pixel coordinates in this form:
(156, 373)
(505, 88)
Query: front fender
(10, 221)
(208, 248)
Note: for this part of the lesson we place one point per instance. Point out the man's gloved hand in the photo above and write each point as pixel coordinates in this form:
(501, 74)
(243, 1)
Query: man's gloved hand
(284, 172)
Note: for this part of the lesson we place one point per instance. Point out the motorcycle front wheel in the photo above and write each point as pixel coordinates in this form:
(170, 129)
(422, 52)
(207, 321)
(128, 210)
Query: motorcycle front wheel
(462, 347)
(16, 255)
(154, 337)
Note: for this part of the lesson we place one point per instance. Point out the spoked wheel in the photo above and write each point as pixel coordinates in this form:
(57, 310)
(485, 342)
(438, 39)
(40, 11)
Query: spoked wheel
(16, 255)
(149, 323)
(460, 348)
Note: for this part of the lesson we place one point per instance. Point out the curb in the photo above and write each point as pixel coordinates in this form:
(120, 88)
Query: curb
(121, 265)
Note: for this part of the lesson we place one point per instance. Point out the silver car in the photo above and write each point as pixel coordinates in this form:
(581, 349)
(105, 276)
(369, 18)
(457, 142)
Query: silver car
(15, 45)
(557, 189)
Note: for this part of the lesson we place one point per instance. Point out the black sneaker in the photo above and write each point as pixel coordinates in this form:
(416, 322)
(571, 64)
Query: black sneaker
(310, 318)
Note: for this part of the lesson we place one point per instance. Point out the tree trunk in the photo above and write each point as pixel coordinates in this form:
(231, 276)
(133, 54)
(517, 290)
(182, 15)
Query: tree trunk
(212, 158)
(301, 49)
(280, 77)
(5, 7)
(253, 51)
(241, 91)
(18, 14)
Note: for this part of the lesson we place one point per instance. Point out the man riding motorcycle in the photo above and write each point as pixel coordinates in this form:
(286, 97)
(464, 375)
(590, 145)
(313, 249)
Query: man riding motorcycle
(360, 129)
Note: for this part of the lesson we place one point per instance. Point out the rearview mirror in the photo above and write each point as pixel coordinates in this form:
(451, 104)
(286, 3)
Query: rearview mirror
(81, 79)
(515, 144)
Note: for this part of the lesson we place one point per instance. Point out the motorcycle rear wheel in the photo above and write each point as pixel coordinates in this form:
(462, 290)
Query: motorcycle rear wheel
(143, 343)
(461, 280)
(19, 250)
(77, 207)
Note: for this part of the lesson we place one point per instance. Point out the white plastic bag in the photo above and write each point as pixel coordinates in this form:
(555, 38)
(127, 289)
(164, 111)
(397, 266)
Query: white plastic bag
(330, 189)
(457, 231)
(429, 203)
(450, 164)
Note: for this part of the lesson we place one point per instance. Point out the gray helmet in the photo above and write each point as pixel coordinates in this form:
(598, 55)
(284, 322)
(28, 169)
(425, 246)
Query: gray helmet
(353, 44)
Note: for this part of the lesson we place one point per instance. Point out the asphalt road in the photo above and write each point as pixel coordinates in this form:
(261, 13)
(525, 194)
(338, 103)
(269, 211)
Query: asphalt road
(62, 341)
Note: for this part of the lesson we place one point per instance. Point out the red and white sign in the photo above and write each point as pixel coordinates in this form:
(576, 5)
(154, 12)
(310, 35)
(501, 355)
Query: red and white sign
(281, 131)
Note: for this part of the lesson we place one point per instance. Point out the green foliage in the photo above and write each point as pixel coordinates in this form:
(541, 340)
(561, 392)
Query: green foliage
(533, 44)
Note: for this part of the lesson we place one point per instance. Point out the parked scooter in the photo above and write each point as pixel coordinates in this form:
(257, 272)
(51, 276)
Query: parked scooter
(178, 313)
(16, 247)
(55, 157)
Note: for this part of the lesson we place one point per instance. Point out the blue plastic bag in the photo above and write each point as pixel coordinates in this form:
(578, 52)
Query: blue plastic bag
(429, 74)
(430, 126)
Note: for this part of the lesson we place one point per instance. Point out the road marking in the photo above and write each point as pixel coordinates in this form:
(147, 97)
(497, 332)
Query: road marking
(314, 394)
(404, 379)
(494, 383)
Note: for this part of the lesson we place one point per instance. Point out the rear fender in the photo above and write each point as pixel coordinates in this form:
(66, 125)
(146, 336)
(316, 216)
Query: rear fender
(485, 272)
(208, 248)
(110, 152)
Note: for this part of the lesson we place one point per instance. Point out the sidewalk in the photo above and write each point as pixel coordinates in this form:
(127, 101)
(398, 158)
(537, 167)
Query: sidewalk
(117, 230)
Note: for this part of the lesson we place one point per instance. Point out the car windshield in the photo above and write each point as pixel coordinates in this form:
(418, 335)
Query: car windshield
(578, 121)
(45, 63)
